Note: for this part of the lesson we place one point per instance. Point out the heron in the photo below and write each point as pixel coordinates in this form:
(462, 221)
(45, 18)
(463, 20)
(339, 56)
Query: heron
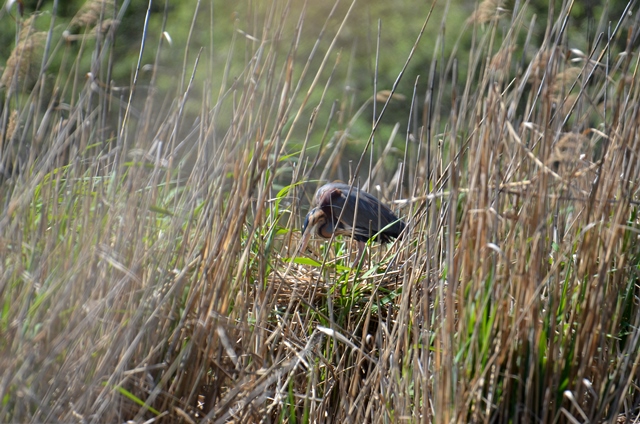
(344, 210)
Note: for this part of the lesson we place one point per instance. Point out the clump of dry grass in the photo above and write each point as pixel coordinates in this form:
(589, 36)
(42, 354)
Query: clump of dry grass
(24, 58)
(10, 130)
(487, 11)
(149, 268)
(93, 12)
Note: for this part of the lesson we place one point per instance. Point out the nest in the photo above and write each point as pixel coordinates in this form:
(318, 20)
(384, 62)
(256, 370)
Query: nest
(312, 284)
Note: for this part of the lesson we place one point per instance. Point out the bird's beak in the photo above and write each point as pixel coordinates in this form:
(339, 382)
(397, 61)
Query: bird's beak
(306, 236)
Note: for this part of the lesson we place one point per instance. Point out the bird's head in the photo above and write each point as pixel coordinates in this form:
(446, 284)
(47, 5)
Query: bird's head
(314, 223)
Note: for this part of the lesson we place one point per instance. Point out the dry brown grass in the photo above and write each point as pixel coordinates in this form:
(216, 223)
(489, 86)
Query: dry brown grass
(148, 270)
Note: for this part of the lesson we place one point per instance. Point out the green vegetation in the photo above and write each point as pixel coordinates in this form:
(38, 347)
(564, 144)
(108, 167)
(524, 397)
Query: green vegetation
(151, 210)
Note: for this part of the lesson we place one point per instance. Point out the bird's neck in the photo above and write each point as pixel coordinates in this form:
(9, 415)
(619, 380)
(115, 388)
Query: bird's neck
(326, 230)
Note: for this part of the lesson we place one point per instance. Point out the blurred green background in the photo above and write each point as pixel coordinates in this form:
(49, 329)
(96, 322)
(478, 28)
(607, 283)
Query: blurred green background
(225, 34)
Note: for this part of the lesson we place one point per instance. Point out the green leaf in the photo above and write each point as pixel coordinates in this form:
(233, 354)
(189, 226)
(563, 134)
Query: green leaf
(124, 392)
(161, 211)
(302, 260)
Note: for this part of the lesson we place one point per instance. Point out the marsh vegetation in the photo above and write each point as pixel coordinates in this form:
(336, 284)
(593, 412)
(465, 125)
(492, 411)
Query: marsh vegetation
(149, 226)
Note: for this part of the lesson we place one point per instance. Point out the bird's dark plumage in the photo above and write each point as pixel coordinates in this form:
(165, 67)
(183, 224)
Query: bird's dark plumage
(359, 209)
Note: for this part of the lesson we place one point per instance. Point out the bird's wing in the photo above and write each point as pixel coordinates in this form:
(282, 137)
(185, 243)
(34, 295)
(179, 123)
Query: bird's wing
(372, 214)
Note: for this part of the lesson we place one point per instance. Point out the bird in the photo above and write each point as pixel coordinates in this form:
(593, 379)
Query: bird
(344, 210)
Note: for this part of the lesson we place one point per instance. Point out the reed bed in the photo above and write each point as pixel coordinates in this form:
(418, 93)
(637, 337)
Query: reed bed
(150, 270)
